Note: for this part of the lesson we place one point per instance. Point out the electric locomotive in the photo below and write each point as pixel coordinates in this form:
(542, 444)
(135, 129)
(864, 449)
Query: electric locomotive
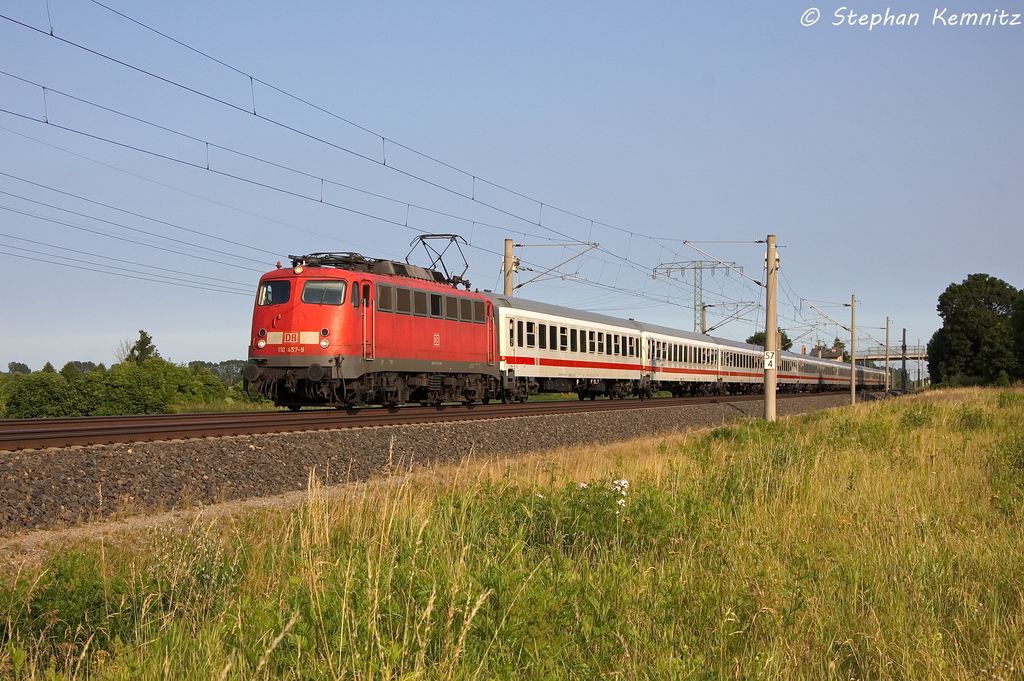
(338, 329)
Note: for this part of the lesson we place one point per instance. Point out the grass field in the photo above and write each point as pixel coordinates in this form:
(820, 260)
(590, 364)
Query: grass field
(877, 542)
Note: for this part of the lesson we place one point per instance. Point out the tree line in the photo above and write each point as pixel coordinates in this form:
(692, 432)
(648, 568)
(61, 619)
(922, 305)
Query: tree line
(981, 340)
(140, 382)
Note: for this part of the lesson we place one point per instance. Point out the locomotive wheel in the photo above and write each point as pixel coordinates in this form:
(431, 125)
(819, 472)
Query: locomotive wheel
(581, 396)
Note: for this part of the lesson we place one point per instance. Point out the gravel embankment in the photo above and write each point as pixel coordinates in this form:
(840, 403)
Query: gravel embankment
(60, 487)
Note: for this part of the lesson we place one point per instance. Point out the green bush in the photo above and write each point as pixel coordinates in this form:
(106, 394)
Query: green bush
(153, 387)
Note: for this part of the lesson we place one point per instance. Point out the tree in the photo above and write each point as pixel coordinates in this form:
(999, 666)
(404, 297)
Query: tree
(137, 352)
(759, 337)
(71, 372)
(18, 368)
(977, 331)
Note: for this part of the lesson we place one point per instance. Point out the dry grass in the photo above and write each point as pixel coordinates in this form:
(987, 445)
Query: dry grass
(881, 541)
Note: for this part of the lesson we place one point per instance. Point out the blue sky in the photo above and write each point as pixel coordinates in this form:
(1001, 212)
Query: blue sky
(888, 161)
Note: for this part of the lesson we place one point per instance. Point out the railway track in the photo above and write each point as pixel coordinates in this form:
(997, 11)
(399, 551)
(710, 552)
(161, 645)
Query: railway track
(17, 434)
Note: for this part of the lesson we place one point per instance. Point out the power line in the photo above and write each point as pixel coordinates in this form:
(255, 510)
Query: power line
(321, 140)
(243, 287)
(116, 273)
(277, 189)
(475, 178)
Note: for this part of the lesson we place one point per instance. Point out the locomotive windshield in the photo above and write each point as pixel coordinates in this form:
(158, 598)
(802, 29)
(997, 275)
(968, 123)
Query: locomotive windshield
(324, 292)
(274, 292)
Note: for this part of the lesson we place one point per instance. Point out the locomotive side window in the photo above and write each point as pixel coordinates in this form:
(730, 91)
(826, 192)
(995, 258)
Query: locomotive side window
(403, 301)
(435, 305)
(563, 339)
(274, 292)
(519, 333)
(384, 298)
(355, 295)
(366, 294)
(572, 340)
(543, 340)
(325, 292)
(451, 308)
(419, 303)
(479, 312)
(466, 309)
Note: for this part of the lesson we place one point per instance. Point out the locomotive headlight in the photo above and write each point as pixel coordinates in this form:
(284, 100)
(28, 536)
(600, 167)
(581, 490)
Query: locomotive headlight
(261, 343)
(324, 342)
(298, 269)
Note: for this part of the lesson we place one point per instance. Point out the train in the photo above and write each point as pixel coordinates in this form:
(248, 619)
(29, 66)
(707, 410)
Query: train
(343, 330)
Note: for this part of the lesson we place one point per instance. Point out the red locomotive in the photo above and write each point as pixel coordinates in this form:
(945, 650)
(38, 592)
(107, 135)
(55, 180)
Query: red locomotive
(339, 329)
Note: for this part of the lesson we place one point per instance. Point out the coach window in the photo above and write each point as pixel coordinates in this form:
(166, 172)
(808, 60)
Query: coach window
(572, 340)
(531, 334)
(384, 294)
(479, 312)
(542, 342)
(324, 292)
(519, 333)
(592, 340)
(451, 308)
(403, 301)
(419, 303)
(435, 305)
(274, 292)
(600, 342)
(553, 337)
(616, 337)
(563, 339)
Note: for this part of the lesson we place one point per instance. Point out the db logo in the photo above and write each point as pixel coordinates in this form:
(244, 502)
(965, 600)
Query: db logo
(437, 340)
(291, 338)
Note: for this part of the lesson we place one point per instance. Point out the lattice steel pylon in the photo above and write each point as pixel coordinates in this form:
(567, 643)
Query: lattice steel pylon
(698, 266)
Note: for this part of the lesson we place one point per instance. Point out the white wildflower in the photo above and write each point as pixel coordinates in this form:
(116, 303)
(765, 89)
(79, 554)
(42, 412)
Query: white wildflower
(621, 502)
(583, 485)
(621, 486)
(540, 496)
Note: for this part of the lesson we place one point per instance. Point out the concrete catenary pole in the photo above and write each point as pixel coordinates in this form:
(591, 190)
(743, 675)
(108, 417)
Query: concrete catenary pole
(853, 349)
(508, 266)
(903, 370)
(888, 384)
(771, 353)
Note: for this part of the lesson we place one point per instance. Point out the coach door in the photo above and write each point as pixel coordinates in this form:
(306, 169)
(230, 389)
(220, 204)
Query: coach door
(367, 318)
(509, 351)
